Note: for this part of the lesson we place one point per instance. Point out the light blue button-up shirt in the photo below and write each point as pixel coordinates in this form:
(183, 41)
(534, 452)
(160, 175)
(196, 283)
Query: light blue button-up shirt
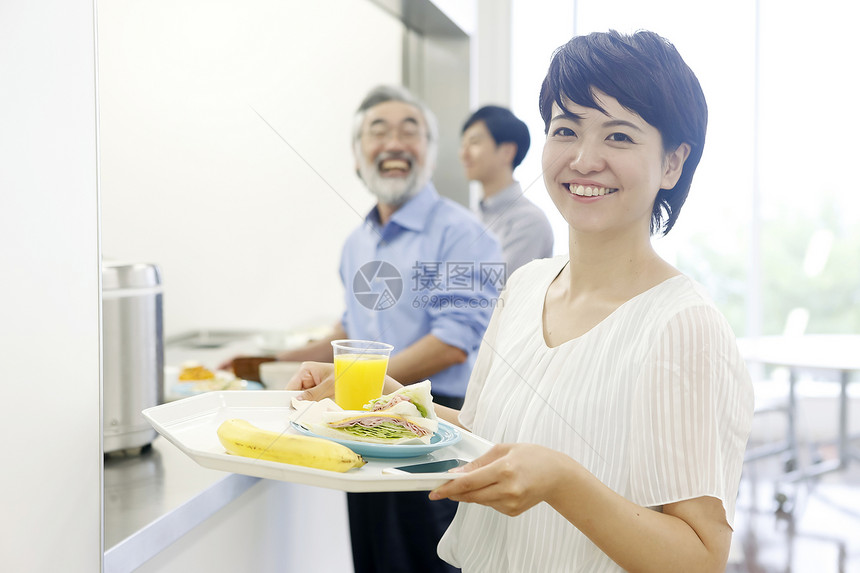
(432, 269)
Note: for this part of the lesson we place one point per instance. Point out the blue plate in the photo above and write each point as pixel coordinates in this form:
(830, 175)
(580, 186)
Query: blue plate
(446, 435)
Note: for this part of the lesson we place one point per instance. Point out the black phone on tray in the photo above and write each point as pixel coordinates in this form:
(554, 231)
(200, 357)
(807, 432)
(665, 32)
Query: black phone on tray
(429, 467)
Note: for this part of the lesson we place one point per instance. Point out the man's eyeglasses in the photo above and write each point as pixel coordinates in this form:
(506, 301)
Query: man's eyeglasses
(407, 132)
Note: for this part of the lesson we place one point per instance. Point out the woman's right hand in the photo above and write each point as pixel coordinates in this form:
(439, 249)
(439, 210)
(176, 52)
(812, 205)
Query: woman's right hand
(315, 378)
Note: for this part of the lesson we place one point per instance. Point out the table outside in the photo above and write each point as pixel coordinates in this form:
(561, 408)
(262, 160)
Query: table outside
(838, 353)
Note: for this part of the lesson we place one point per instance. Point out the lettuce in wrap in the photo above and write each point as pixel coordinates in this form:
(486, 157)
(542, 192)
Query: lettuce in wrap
(375, 427)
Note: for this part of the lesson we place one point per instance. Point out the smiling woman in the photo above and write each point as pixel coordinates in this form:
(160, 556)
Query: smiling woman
(603, 351)
(613, 387)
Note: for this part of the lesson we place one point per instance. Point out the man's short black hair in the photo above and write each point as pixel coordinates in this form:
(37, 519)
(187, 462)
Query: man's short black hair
(504, 126)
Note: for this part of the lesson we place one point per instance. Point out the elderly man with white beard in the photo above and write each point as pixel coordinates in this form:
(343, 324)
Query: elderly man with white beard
(421, 273)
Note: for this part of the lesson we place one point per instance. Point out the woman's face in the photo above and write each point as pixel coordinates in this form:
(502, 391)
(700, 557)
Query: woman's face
(603, 171)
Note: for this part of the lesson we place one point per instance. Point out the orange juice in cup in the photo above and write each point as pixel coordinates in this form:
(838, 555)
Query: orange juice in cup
(359, 371)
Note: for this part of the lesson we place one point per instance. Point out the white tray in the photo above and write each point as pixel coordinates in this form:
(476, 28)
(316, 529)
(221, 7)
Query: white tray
(191, 423)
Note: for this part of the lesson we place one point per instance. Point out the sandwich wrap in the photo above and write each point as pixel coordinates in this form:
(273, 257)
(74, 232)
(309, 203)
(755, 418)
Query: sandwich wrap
(375, 427)
(402, 417)
(417, 395)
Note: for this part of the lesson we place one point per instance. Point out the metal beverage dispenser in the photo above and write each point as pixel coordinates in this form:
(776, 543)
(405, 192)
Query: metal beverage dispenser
(133, 352)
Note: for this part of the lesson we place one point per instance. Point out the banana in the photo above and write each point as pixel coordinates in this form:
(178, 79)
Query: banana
(242, 438)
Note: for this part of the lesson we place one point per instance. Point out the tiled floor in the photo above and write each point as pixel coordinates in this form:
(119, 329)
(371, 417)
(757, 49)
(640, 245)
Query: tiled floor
(815, 530)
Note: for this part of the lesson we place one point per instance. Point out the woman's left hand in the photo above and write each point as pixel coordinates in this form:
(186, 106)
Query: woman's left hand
(510, 478)
(315, 378)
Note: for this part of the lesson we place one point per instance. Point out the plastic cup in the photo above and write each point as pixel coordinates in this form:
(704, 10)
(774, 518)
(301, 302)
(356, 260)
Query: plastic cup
(359, 371)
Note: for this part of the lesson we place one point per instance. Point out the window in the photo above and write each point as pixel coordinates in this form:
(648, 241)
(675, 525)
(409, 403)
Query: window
(771, 224)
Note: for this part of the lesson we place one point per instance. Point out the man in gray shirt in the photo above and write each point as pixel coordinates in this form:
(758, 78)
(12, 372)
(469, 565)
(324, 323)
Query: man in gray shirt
(493, 143)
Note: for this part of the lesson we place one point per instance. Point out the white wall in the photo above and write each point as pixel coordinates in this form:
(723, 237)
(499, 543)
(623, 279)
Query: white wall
(50, 483)
(247, 228)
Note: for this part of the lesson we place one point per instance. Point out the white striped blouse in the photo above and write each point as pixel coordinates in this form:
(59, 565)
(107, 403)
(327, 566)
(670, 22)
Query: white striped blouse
(655, 401)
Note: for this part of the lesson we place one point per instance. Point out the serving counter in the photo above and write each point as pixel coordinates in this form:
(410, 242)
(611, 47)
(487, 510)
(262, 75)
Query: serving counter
(152, 499)
(163, 512)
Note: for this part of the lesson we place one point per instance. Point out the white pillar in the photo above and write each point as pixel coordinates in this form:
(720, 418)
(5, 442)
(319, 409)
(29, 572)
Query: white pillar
(493, 53)
(50, 421)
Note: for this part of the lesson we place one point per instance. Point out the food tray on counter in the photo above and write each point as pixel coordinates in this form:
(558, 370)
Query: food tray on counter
(191, 424)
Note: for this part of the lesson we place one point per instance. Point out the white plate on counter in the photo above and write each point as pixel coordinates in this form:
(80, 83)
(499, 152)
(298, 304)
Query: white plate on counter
(191, 424)
(176, 388)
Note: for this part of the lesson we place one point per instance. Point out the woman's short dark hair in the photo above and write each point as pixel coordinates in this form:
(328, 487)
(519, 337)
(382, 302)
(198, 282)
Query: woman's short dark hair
(504, 127)
(647, 75)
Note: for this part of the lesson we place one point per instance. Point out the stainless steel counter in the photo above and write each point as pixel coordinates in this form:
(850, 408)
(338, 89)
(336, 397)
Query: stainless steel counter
(152, 499)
